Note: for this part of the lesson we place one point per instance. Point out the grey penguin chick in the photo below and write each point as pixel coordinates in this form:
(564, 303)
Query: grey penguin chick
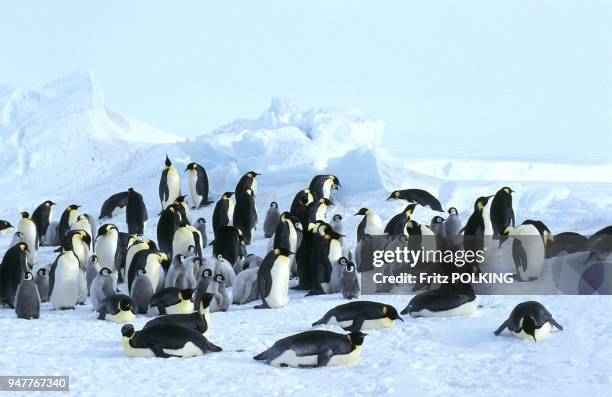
(222, 299)
(201, 226)
(245, 286)
(222, 266)
(42, 282)
(17, 238)
(141, 293)
(102, 286)
(349, 281)
(93, 268)
(180, 273)
(272, 220)
(27, 298)
(336, 273)
(337, 223)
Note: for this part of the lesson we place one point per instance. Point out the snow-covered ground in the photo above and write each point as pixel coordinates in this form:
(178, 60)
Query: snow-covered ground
(61, 142)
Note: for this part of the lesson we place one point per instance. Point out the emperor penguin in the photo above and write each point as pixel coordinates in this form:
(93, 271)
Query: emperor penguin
(317, 210)
(529, 320)
(273, 279)
(337, 269)
(183, 208)
(452, 224)
(245, 215)
(437, 227)
(529, 248)
(336, 223)
(198, 320)
(446, 301)
(172, 300)
(299, 206)
(134, 248)
(180, 274)
(247, 181)
(165, 340)
(69, 216)
(322, 186)
(82, 223)
(223, 214)
(12, 269)
(229, 243)
(27, 227)
(397, 223)
(370, 224)
(187, 238)
(198, 185)
(42, 282)
(5, 228)
(350, 286)
(314, 349)
(169, 221)
(474, 229)
(169, 184)
(65, 292)
(222, 298)
(93, 268)
(79, 242)
(117, 308)
(106, 245)
(141, 293)
(272, 220)
(114, 205)
(502, 214)
(223, 267)
(102, 286)
(245, 287)
(201, 226)
(136, 215)
(42, 216)
(154, 262)
(27, 298)
(417, 196)
(360, 315)
(285, 236)
(326, 252)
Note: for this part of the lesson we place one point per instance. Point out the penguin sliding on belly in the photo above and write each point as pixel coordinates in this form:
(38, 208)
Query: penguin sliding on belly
(117, 308)
(314, 349)
(171, 300)
(446, 301)
(198, 320)
(529, 320)
(360, 315)
(165, 340)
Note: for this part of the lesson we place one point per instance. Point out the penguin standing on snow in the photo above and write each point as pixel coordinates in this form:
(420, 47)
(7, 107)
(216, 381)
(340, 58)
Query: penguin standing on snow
(229, 243)
(113, 205)
(417, 196)
(42, 283)
(201, 226)
(136, 215)
(154, 263)
(102, 286)
(299, 206)
(106, 245)
(165, 340)
(370, 224)
(314, 349)
(93, 268)
(273, 279)
(349, 281)
(528, 248)
(272, 220)
(169, 184)
(502, 214)
(42, 216)
(69, 216)
(5, 228)
(29, 235)
(65, 289)
(327, 250)
(245, 215)
(452, 224)
(247, 181)
(322, 186)
(198, 185)
(169, 221)
(529, 320)
(474, 229)
(183, 207)
(285, 236)
(397, 223)
(223, 214)
(12, 269)
(27, 299)
(141, 293)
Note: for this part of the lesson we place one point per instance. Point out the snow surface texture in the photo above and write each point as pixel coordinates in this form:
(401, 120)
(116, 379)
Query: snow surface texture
(60, 142)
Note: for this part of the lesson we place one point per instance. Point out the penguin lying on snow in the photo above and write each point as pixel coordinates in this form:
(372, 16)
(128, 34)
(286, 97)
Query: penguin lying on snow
(443, 302)
(360, 315)
(171, 300)
(117, 308)
(314, 349)
(529, 320)
(165, 340)
(198, 320)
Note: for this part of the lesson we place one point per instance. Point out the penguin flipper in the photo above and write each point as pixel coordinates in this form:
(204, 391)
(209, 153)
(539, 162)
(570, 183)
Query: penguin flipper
(556, 324)
(501, 328)
(323, 357)
(357, 324)
(159, 352)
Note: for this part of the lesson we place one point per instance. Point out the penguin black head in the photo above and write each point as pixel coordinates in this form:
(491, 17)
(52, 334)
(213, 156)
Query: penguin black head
(207, 273)
(409, 210)
(23, 247)
(142, 272)
(85, 237)
(180, 258)
(219, 278)
(362, 211)
(390, 312)
(252, 174)
(201, 221)
(529, 327)
(395, 195)
(507, 190)
(151, 244)
(205, 299)
(93, 259)
(106, 228)
(282, 252)
(131, 190)
(127, 331)
(337, 217)
(336, 181)
(327, 202)
(74, 207)
(356, 338)
(197, 261)
(273, 204)
(437, 219)
(331, 234)
(480, 203)
(343, 261)
(180, 199)
(5, 225)
(350, 267)
(191, 166)
(25, 214)
(168, 162)
(28, 276)
(105, 271)
(452, 211)
(42, 272)
(227, 195)
(49, 203)
(164, 260)
(125, 304)
(186, 294)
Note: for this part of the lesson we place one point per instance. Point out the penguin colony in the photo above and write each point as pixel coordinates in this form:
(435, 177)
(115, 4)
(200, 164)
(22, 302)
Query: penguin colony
(171, 281)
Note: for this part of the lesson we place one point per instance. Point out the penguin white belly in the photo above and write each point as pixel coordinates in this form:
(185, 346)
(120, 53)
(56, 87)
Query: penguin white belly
(327, 188)
(292, 237)
(183, 307)
(321, 213)
(136, 352)
(230, 211)
(533, 245)
(106, 249)
(183, 238)
(82, 253)
(540, 333)
(335, 251)
(174, 186)
(117, 211)
(28, 228)
(343, 324)
(467, 309)
(72, 217)
(65, 290)
(345, 359)
(82, 225)
(291, 359)
(278, 296)
(374, 226)
(122, 317)
(377, 323)
(153, 270)
(193, 180)
(189, 350)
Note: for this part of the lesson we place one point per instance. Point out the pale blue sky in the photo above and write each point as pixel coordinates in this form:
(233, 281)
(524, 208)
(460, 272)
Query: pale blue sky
(512, 78)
